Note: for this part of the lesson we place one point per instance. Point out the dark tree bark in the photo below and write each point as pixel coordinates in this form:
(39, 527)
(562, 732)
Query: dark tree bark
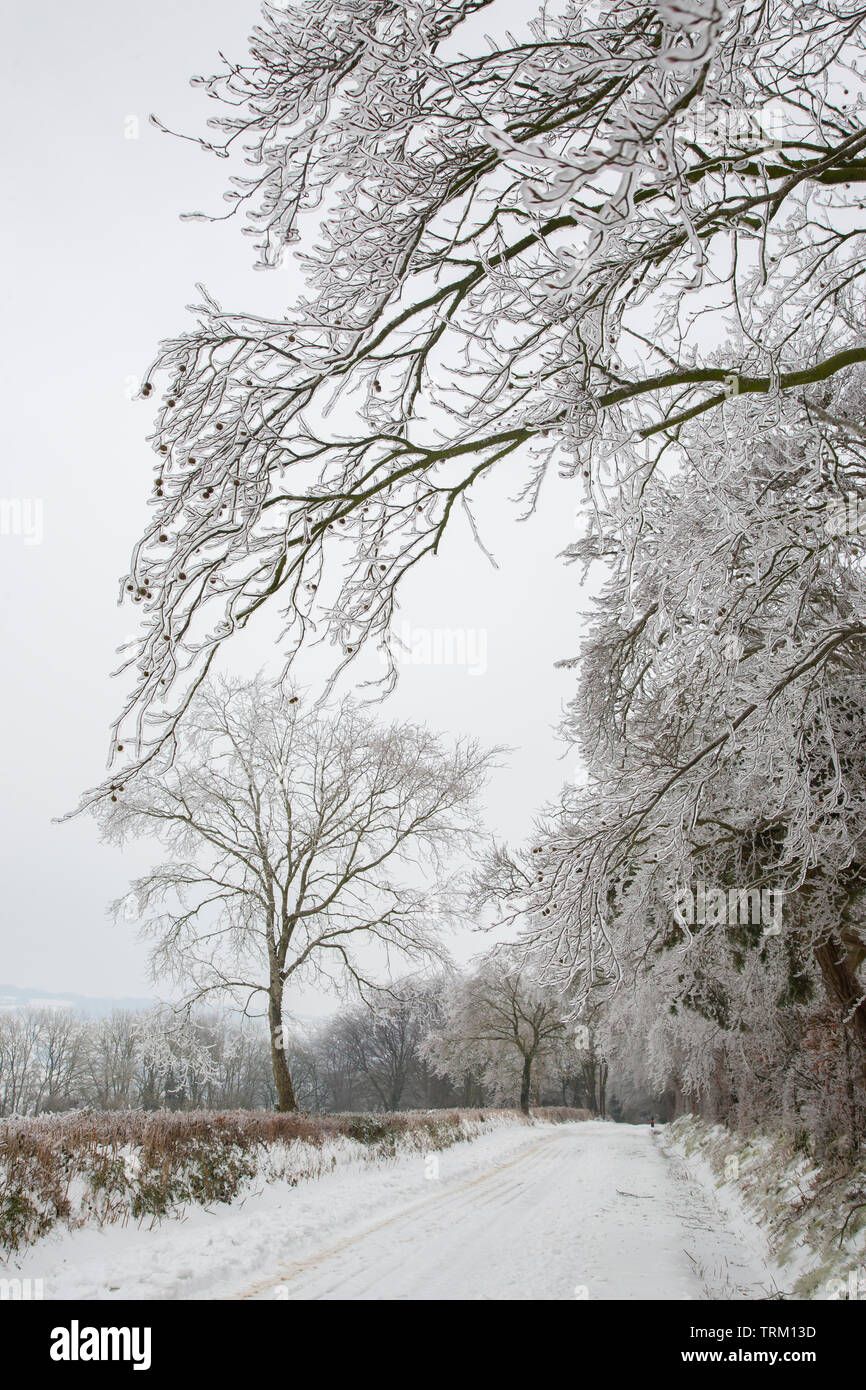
(526, 1084)
(286, 1100)
(844, 988)
(602, 1090)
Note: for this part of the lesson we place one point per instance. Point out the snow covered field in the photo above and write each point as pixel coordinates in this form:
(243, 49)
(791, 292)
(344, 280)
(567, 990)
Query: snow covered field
(592, 1210)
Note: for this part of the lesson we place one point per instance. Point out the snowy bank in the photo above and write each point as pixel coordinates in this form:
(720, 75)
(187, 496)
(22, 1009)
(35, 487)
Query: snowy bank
(812, 1214)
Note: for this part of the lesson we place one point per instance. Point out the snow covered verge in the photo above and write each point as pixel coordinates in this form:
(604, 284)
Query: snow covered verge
(300, 1196)
(88, 1168)
(812, 1214)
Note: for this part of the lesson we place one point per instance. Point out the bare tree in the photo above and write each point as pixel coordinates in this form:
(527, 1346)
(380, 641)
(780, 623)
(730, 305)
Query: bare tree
(62, 1056)
(19, 1035)
(385, 1038)
(287, 829)
(113, 1061)
(338, 1082)
(502, 1021)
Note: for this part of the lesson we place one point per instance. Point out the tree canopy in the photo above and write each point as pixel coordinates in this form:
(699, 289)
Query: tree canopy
(557, 247)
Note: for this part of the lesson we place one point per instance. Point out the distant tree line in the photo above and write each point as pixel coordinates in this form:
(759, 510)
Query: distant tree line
(416, 1046)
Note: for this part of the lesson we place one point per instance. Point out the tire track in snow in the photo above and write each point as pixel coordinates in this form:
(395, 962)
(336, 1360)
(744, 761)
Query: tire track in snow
(296, 1268)
(562, 1216)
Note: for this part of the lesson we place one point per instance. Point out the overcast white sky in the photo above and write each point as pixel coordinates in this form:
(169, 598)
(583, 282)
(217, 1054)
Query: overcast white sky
(97, 269)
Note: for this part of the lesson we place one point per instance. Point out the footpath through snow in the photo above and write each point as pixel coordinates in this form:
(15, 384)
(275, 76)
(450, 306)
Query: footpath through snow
(591, 1210)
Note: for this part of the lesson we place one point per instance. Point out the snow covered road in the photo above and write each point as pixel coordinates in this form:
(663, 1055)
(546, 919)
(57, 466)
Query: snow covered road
(590, 1210)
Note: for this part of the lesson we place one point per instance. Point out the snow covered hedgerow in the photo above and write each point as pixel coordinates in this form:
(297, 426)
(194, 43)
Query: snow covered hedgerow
(559, 1114)
(809, 1200)
(34, 1186)
(91, 1167)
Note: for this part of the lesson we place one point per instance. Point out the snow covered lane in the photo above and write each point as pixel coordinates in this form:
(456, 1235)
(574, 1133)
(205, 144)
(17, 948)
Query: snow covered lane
(589, 1210)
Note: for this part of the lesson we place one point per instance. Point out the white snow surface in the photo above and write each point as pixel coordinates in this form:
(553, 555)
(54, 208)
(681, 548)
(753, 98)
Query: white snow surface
(589, 1210)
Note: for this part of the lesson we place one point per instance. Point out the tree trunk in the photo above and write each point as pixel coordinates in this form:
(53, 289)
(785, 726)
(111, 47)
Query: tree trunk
(850, 1093)
(282, 1077)
(842, 986)
(525, 1085)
